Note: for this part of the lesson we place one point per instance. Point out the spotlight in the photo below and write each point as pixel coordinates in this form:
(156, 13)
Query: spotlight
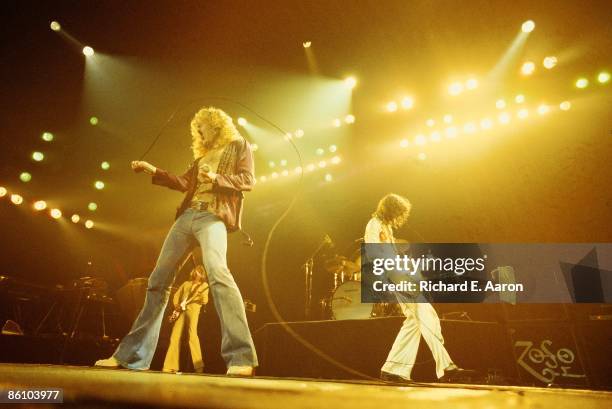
(40, 205)
(528, 26)
(105, 165)
(350, 82)
(242, 121)
(322, 164)
(75, 218)
(349, 119)
(328, 177)
(500, 104)
(422, 156)
(285, 172)
(582, 83)
(420, 140)
(543, 109)
(99, 185)
(565, 105)
(307, 44)
(47, 136)
(3, 191)
(333, 148)
(504, 118)
(392, 106)
(283, 162)
(549, 62)
(38, 156)
(89, 224)
(92, 206)
(337, 122)
(470, 127)
(88, 51)
(335, 160)
(254, 147)
(299, 133)
(320, 151)
(271, 164)
(407, 102)
(93, 120)
(472, 83)
(16, 199)
(603, 77)
(55, 213)
(519, 99)
(55, 26)
(486, 123)
(523, 113)
(435, 136)
(528, 68)
(404, 143)
(455, 88)
(448, 119)
(430, 123)
(25, 177)
(451, 132)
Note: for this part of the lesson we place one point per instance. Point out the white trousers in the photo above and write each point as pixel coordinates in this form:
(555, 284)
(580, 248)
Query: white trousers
(421, 319)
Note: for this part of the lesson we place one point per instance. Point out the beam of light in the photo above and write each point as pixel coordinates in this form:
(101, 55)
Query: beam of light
(16, 199)
(89, 224)
(242, 122)
(565, 105)
(92, 206)
(392, 106)
(25, 177)
(40, 205)
(38, 156)
(306, 44)
(3, 191)
(88, 51)
(407, 102)
(549, 62)
(582, 83)
(311, 60)
(528, 26)
(75, 218)
(47, 136)
(350, 82)
(528, 68)
(509, 57)
(603, 77)
(55, 26)
(55, 213)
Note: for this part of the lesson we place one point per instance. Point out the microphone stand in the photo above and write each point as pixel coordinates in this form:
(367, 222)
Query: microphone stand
(307, 267)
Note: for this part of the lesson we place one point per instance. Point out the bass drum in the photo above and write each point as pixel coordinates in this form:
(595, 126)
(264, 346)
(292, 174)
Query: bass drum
(346, 302)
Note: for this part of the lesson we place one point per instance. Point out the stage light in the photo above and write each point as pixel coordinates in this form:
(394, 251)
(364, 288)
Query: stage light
(523, 113)
(549, 62)
(99, 185)
(47, 136)
(333, 148)
(274, 175)
(335, 160)
(350, 82)
(349, 119)
(89, 224)
(55, 213)
(25, 177)
(283, 162)
(392, 106)
(420, 140)
(271, 164)
(486, 123)
(337, 122)
(297, 170)
(88, 51)
(55, 26)
(519, 99)
(328, 177)
(565, 105)
(430, 123)
(299, 133)
(451, 132)
(543, 109)
(40, 205)
(528, 26)
(16, 199)
(528, 68)
(582, 83)
(310, 167)
(435, 136)
(242, 121)
(407, 102)
(93, 120)
(322, 164)
(472, 83)
(92, 206)
(504, 118)
(500, 104)
(470, 127)
(603, 77)
(448, 119)
(404, 143)
(422, 156)
(38, 156)
(307, 44)
(75, 218)
(3, 191)
(455, 88)
(285, 172)
(320, 151)
(105, 165)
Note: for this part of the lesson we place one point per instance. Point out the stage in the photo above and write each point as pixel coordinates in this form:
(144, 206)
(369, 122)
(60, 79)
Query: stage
(91, 387)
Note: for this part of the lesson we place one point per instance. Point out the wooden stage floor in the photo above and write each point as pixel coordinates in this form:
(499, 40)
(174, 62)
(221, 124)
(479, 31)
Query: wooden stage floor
(102, 388)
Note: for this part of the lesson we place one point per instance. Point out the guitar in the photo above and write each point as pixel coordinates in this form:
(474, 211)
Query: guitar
(183, 306)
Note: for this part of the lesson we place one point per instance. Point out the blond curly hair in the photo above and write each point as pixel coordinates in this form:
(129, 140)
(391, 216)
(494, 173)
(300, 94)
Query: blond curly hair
(220, 123)
(393, 210)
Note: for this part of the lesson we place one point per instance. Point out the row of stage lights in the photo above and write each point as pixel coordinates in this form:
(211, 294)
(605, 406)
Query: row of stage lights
(311, 167)
(41, 205)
